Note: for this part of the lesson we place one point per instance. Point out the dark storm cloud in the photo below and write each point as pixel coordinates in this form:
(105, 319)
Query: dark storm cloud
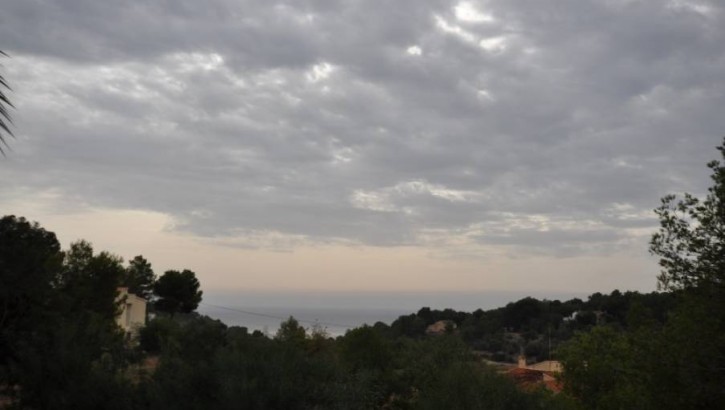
(552, 126)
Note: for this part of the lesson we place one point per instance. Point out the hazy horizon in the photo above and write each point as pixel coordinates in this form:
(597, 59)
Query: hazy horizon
(387, 300)
(338, 311)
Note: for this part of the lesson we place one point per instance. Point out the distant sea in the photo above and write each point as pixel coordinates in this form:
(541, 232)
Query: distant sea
(336, 312)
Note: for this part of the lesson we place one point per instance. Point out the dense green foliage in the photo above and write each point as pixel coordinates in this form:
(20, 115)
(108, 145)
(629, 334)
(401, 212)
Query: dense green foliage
(297, 369)
(536, 327)
(649, 365)
(29, 262)
(59, 338)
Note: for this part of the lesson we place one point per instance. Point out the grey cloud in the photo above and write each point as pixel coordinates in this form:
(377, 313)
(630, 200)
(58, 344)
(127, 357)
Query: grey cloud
(214, 114)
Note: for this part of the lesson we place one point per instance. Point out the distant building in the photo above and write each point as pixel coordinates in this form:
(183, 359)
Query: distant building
(440, 327)
(546, 366)
(133, 311)
(536, 375)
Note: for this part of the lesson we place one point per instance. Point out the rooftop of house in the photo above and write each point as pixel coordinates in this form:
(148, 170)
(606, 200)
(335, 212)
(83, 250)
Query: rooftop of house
(532, 379)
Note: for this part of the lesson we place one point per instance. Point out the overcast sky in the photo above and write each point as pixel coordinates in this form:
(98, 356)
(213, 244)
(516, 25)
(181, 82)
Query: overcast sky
(365, 145)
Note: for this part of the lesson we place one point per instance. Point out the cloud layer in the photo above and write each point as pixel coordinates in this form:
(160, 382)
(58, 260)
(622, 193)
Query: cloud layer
(535, 126)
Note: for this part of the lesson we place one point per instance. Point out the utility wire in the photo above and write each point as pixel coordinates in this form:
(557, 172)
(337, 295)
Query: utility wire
(312, 322)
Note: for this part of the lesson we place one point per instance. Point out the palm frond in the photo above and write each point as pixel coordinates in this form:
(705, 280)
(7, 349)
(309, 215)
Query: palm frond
(5, 119)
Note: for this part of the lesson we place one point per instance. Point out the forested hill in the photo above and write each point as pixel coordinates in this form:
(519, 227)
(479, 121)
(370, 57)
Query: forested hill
(536, 327)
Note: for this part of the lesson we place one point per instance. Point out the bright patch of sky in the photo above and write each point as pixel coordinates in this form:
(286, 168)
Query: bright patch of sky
(485, 95)
(414, 50)
(393, 198)
(698, 7)
(320, 72)
(493, 44)
(458, 31)
(466, 11)
(198, 61)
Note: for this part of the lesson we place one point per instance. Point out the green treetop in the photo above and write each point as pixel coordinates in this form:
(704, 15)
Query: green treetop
(691, 239)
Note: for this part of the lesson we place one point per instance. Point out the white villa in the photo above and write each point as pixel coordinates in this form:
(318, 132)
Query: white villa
(133, 311)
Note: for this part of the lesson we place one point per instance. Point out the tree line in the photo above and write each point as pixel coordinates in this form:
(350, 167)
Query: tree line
(535, 327)
(60, 347)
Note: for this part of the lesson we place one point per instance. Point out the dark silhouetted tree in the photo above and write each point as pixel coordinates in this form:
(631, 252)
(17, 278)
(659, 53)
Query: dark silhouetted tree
(691, 239)
(365, 348)
(29, 261)
(177, 292)
(90, 282)
(290, 331)
(58, 335)
(691, 247)
(140, 277)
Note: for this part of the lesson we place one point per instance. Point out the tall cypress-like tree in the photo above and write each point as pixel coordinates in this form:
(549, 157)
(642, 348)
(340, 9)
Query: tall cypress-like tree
(140, 277)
